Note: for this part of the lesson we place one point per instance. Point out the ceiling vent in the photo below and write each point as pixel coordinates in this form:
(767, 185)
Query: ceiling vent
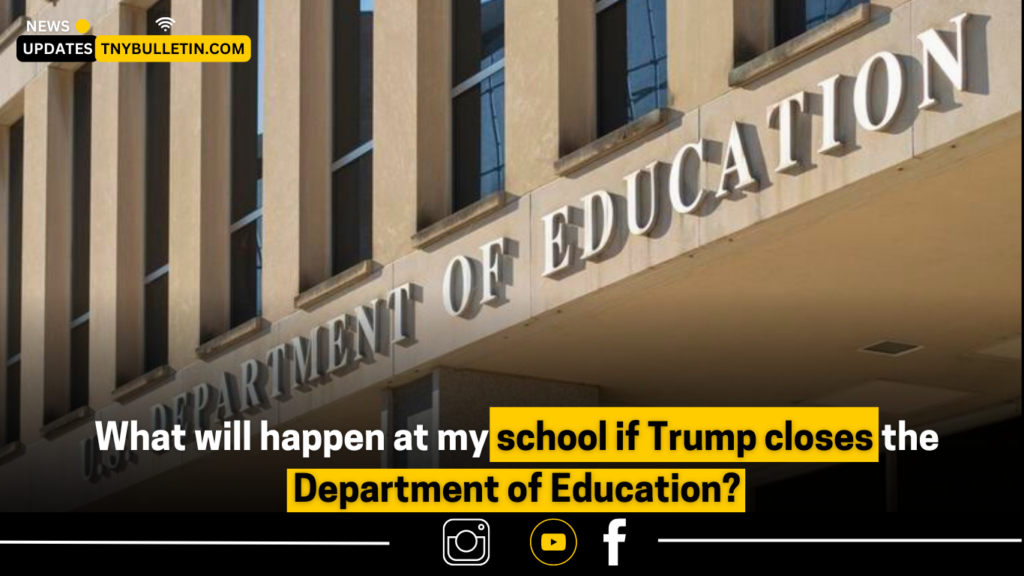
(891, 348)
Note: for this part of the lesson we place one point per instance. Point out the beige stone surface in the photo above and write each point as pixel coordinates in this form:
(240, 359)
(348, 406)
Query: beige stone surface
(993, 45)
(358, 375)
(296, 154)
(437, 332)
(412, 162)
(46, 265)
(627, 254)
(549, 67)
(117, 237)
(16, 76)
(866, 152)
(701, 50)
(199, 189)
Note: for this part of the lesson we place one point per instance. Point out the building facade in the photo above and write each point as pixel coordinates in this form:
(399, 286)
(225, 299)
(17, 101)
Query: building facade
(405, 212)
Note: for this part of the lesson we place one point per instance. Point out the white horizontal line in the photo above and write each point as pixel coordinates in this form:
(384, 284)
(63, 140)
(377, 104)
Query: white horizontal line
(247, 219)
(192, 543)
(840, 540)
(355, 154)
(478, 78)
(157, 274)
(75, 323)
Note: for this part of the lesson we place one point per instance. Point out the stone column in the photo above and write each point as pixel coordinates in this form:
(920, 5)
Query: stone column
(550, 94)
(200, 188)
(117, 243)
(411, 121)
(46, 263)
(701, 49)
(296, 152)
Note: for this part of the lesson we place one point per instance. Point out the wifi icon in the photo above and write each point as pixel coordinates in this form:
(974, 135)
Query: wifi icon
(165, 23)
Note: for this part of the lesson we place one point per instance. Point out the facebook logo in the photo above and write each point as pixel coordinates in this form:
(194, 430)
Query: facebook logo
(613, 538)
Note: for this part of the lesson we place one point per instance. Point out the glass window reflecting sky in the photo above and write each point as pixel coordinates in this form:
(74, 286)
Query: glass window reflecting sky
(352, 124)
(632, 57)
(478, 100)
(794, 17)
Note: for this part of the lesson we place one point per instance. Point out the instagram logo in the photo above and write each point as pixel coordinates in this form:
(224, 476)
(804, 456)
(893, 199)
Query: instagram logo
(467, 542)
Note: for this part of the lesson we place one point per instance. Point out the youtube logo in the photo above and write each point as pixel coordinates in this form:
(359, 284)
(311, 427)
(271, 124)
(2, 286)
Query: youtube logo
(553, 542)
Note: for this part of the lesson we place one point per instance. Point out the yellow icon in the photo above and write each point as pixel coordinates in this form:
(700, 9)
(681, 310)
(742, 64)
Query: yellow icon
(552, 542)
(82, 26)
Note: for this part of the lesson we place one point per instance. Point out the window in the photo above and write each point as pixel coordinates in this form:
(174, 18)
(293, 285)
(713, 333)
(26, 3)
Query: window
(478, 100)
(247, 17)
(352, 169)
(157, 269)
(81, 146)
(632, 61)
(794, 17)
(12, 400)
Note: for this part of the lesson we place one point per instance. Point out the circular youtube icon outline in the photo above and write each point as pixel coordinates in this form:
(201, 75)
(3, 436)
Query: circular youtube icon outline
(575, 541)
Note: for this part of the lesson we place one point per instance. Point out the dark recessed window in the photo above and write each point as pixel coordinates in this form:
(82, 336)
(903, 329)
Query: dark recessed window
(632, 61)
(12, 417)
(81, 156)
(794, 17)
(157, 235)
(247, 17)
(17, 10)
(352, 168)
(12, 395)
(478, 100)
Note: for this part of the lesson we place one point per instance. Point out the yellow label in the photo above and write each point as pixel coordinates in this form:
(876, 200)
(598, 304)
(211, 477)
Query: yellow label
(173, 48)
(711, 435)
(523, 490)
